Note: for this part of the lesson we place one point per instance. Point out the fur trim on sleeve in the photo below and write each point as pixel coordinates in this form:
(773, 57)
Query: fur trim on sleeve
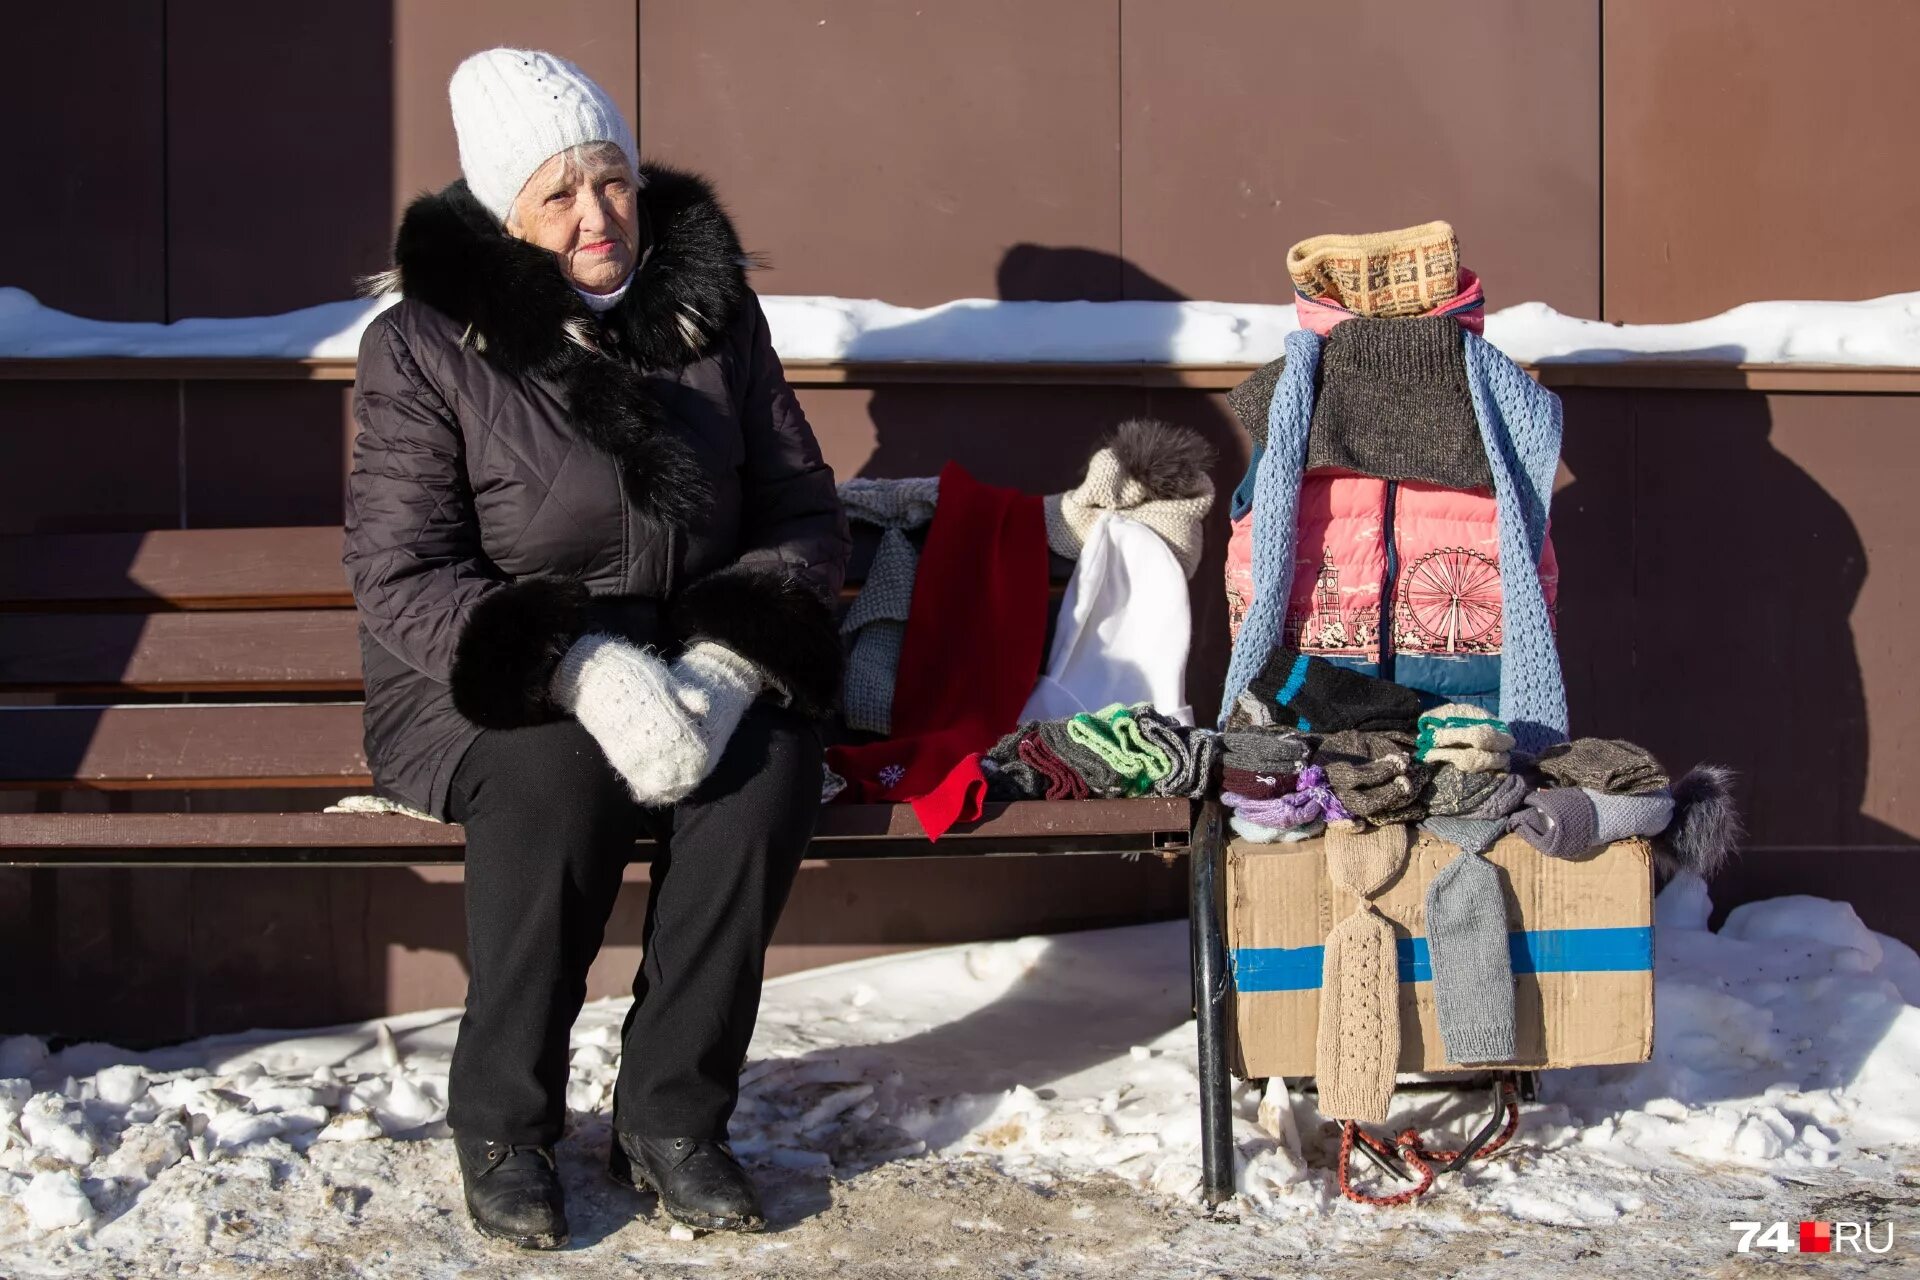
(775, 622)
(506, 655)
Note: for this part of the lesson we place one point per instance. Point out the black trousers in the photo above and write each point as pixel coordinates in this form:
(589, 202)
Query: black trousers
(550, 828)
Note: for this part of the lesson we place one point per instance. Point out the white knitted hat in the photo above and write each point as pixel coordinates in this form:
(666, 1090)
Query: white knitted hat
(513, 109)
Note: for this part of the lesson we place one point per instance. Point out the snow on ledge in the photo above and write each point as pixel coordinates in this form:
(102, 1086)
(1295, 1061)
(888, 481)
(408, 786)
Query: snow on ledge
(1883, 332)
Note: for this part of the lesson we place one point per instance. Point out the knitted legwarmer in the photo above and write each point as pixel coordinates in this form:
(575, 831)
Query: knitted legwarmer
(1466, 923)
(1358, 1045)
(1560, 822)
(1622, 817)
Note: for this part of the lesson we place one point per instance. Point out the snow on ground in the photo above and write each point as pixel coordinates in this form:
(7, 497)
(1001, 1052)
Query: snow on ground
(1881, 331)
(1017, 1107)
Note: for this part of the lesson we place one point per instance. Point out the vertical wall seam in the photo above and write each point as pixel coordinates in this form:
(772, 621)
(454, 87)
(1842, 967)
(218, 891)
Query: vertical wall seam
(1120, 148)
(1600, 186)
(166, 177)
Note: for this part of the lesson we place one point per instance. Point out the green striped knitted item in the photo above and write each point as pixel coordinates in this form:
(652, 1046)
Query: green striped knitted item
(1097, 735)
(1458, 725)
(1128, 732)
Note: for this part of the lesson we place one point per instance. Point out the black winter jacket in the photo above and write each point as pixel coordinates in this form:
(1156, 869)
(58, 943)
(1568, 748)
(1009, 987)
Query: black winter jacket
(525, 471)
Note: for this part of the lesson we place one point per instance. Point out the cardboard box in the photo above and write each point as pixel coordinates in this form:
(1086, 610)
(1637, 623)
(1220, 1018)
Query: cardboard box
(1582, 943)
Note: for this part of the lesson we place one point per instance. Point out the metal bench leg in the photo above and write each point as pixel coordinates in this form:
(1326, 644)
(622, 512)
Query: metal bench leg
(1210, 986)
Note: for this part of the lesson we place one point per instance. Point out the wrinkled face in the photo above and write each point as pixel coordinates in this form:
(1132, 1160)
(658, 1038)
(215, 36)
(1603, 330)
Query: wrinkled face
(582, 207)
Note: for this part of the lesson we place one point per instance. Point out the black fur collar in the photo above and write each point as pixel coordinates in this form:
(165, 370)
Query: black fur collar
(686, 293)
(519, 311)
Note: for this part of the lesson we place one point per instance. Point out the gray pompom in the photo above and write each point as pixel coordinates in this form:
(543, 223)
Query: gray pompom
(1168, 461)
(1707, 829)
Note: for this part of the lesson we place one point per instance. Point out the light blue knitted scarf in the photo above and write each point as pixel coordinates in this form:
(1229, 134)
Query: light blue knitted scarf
(1520, 428)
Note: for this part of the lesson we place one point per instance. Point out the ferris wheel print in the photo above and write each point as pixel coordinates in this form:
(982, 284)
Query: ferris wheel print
(1450, 601)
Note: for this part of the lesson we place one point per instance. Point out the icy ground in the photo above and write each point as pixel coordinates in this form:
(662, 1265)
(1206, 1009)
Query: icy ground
(1879, 331)
(1017, 1108)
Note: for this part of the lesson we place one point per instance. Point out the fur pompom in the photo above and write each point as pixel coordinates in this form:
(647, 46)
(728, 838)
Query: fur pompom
(507, 653)
(1706, 830)
(1167, 461)
(775, 622)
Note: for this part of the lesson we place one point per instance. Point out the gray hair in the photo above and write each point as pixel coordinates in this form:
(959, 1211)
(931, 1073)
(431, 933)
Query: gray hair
(577, 162)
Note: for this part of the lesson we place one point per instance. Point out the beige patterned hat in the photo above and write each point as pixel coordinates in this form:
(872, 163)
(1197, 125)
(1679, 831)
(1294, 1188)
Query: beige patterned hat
(1381, 274)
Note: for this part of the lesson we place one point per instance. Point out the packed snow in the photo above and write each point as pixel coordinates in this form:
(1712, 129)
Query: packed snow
(1879, 332)
(1051, 1077)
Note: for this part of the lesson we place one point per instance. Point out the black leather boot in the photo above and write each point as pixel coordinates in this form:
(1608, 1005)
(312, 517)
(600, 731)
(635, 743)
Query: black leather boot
(513, 1192)
(697, 1179)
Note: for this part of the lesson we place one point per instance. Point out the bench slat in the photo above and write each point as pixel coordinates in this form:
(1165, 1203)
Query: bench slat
(277, 568)
(137, 748)
(242, 569)
(844, 831)
(288, 650)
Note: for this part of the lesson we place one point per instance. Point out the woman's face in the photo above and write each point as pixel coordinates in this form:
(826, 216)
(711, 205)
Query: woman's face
(582, 208)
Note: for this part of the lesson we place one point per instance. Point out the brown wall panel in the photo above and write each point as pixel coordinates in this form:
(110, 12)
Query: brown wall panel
(266, 453)
(82, 225)
(1758, 149)
(1249, 125)
(430, 37)
(1768, 540)
(89, 456)
(898, 151)
(279, 153)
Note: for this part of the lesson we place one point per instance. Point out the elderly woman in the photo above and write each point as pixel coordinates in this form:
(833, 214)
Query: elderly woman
(592, 540)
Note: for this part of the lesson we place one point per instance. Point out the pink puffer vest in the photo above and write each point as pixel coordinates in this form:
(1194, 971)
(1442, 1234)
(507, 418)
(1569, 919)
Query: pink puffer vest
(1400, 567)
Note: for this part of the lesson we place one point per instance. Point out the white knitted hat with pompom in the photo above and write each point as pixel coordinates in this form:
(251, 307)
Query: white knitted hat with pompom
(513, 109)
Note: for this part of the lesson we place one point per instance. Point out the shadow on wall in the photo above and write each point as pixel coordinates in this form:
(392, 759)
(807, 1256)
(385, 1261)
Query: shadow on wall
(1038, 437)
(1708, 586)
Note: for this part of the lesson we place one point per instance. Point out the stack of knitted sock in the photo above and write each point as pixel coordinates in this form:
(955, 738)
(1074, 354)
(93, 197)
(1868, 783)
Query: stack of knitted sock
(1466, 737)
(1606, 790)
(1116, 753)
(1299, 813)
(1377, 774)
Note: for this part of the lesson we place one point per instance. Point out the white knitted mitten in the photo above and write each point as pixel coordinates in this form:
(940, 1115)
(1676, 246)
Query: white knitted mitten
(717, 686)
(633, 706)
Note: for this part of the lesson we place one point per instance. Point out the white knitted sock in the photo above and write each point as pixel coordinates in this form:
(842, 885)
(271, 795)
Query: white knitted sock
(630, 702)
(716, 685)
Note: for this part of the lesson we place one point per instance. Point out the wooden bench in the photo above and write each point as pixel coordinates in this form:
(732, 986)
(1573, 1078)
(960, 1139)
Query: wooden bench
(226, 660)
